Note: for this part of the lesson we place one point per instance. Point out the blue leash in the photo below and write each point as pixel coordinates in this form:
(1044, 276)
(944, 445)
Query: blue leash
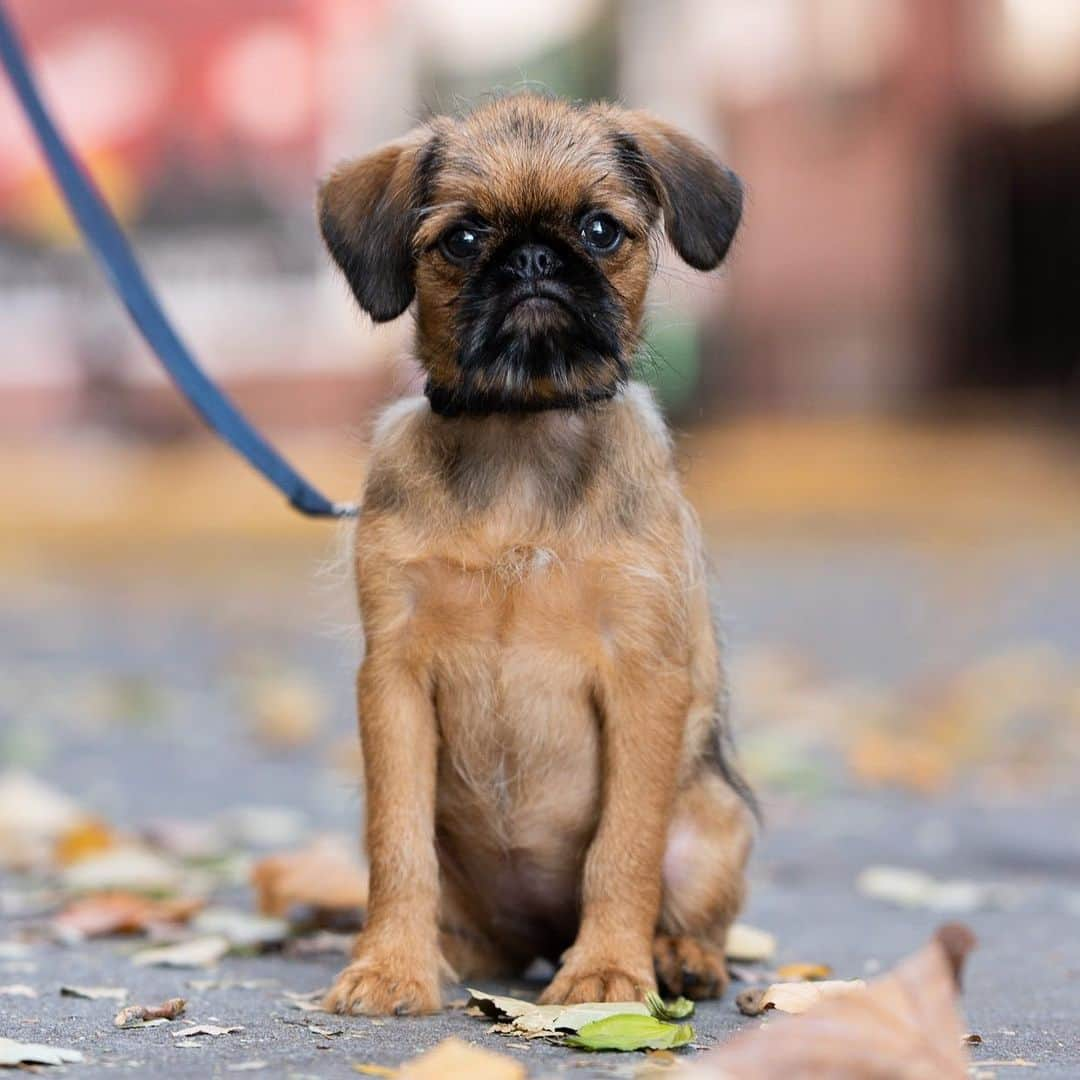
(106, 239)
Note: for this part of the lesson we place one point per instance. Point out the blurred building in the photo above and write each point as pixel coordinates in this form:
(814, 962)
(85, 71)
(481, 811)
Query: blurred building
(911, 227)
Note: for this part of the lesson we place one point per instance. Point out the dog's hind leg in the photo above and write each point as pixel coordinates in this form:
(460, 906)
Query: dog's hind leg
(708, 845)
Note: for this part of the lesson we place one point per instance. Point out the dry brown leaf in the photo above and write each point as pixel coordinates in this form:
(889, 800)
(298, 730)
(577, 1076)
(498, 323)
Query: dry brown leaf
(453, 1059)
(122, 913)
(323, 876)
(135, 1015)
(803, 972)
(795, 997)
(904, 1026)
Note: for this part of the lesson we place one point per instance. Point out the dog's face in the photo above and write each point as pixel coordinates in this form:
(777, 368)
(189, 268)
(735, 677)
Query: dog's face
(524, 232)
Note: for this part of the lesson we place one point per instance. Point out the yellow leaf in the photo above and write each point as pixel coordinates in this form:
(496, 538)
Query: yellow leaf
(803, 972)
(90, 836)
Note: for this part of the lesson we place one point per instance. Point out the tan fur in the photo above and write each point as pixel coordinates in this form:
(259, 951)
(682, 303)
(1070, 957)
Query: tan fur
(541, 681)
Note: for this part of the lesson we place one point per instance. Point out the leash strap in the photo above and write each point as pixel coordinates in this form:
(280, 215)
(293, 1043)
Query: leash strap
(106, 240)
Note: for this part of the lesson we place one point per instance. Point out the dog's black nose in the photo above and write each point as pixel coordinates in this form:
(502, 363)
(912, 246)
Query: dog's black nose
(532, 261)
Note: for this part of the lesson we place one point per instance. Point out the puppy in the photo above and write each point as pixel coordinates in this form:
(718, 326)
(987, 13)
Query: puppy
(541, 704)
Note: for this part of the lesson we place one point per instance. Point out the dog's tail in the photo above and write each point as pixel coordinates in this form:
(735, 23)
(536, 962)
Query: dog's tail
(720, 754)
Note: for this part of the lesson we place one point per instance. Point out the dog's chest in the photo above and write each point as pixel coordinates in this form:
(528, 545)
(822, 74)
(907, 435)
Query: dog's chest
(513, 645)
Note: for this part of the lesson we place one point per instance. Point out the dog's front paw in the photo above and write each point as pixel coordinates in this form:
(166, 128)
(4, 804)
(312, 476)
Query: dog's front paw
(376, 985)
(598, 979)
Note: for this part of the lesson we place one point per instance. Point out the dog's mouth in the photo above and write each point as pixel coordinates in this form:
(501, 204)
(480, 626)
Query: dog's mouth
(537, 303)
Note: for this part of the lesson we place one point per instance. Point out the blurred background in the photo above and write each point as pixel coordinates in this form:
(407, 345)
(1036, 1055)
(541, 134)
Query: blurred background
(876, 398)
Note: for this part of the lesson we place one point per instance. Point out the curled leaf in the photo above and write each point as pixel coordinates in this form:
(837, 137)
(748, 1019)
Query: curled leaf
(795, 997)
(137, 1015)
(679, 1009)
(629, 1031)
(905, 1023)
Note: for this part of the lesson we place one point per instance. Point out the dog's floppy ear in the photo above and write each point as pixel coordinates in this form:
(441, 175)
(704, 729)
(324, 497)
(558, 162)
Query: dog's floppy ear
(367, 214)
(701, 199)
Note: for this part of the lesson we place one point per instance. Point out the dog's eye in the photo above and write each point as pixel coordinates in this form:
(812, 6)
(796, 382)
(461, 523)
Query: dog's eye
(460, 243)
(601, 232)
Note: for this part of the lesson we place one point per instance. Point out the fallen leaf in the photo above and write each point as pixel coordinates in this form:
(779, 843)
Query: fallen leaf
(453, 1059)
(94, 993)
(322, 943)
(243, 929)
(129, 868)
(904, 1024)
(188, 840)
(531, 1020)
(14, 1053)
(973, 1039)
(230, 984)
(305, 1000)
(32, 816)
(86, 837)
(795, 997)
(749, 944)
(500, 1008)
(285, 711)
(901, 760)
(18, 990)
(121, 913)
(261, 827)
(140, 1015)
(627, 1031)
(207, 1029)
(199, 952)
(916, 889)
(324, 876)
(803, 972)
(679, 1009)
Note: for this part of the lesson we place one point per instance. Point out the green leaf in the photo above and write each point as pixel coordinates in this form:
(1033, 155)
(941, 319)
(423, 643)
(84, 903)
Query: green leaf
(679, 1009)
(629, 1031)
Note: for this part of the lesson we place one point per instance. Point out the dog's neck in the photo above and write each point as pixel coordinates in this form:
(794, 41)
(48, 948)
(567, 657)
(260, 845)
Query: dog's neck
(555, 452)
(451, 402)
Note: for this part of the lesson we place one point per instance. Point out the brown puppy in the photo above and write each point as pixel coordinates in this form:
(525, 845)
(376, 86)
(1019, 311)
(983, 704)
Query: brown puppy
(541, 703)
